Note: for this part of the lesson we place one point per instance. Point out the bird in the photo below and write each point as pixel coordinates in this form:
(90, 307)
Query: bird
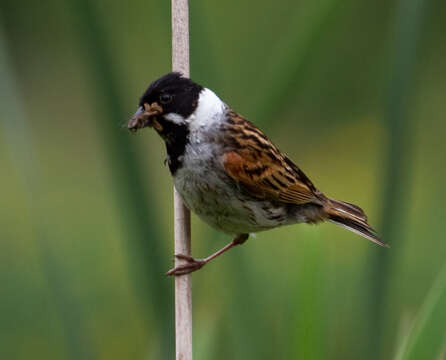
(228, 172)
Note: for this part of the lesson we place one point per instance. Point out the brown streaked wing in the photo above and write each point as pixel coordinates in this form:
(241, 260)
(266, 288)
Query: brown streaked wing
(262, 169)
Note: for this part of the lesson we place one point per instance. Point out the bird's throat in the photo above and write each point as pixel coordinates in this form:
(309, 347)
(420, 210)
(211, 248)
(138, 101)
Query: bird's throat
(176, 137)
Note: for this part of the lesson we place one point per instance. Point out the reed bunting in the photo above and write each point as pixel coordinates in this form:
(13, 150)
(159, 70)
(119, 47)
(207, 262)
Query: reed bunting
(228, 172)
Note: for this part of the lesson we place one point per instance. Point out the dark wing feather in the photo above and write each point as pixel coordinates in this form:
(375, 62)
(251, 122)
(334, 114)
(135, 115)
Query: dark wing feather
(262, 169)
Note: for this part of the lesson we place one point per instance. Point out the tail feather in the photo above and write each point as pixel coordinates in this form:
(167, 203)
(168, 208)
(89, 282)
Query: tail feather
(350, 209)
(352, 218)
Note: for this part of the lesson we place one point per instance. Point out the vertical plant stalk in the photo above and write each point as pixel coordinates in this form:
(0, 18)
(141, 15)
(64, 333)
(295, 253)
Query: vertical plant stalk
(183, 283)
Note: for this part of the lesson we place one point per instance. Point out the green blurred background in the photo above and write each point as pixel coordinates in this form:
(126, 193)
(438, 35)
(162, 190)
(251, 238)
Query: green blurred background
(354, 91)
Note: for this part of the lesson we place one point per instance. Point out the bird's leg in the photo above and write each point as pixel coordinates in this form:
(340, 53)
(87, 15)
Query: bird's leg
(195, 264)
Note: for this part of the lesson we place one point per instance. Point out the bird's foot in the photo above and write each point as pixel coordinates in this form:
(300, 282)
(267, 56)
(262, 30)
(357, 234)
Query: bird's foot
(195, 264)
(190, 266)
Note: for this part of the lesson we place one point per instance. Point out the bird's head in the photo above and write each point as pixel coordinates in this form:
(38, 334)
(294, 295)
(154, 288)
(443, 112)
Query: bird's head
(166, 104)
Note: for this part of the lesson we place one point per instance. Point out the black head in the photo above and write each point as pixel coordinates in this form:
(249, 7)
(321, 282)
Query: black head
(174, 93)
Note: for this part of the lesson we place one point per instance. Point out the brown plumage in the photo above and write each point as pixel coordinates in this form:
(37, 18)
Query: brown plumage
(228, 172)
(266, 173)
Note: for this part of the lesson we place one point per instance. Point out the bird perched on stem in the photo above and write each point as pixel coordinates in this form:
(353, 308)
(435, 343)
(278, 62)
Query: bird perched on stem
(228, 172)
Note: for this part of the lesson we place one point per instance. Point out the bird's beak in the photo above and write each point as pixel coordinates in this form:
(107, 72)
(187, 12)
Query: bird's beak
(144, 116)
(138, 112)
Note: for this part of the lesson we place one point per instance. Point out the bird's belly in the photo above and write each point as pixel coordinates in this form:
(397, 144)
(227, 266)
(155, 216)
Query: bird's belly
(219, 202)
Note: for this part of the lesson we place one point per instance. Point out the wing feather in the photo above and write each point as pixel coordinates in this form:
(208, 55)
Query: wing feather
(254, 162)
(268, 178)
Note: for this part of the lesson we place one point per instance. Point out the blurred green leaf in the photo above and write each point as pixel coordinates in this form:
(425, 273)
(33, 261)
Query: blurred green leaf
(427, 337)
(397, 182)
(20, 145)
(139, 215)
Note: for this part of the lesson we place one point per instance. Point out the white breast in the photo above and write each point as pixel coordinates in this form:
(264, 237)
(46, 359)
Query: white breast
(203, 183)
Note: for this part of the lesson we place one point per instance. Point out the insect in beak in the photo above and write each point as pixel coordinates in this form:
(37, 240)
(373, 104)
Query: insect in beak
(145, 116)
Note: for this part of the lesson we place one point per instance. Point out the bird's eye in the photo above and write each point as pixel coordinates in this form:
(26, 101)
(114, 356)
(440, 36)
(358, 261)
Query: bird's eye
(165, 98)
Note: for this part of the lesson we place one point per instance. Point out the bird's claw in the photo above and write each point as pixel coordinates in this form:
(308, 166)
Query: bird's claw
(190, 266)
